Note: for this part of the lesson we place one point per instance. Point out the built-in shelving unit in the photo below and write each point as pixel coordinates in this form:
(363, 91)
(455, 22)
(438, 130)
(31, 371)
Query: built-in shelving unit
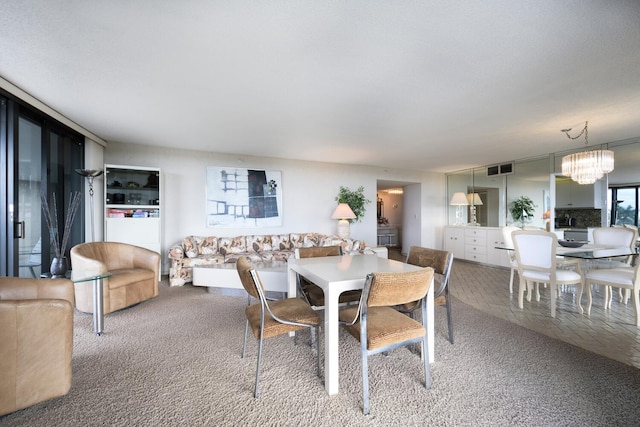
(132, 206)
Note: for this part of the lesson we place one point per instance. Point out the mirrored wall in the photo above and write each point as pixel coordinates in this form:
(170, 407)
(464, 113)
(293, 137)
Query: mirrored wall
(490, 190)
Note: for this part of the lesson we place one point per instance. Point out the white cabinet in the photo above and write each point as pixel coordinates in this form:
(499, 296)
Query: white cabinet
(496, 256)
(388, 236)
(475, 244)
(454, 241)
(570, 194)
(132, 206)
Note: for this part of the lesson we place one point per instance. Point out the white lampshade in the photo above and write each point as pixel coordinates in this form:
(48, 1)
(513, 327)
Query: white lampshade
(474, 199)
(343, 212)
(459, 199)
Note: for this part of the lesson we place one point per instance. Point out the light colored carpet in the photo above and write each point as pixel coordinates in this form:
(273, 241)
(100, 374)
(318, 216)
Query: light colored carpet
(175, 360)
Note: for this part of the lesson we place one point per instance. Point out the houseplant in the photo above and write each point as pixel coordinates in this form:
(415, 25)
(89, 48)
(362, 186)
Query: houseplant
(59, 263)
(355, 199)
(522, 209)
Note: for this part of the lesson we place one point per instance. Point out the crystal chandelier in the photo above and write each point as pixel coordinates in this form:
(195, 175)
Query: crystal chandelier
(586, 167)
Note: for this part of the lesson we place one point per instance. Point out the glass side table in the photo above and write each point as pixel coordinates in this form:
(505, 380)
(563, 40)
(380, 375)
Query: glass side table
(98, 307)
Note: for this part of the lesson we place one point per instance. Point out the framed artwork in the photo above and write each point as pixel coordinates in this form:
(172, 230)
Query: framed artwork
(239, 198)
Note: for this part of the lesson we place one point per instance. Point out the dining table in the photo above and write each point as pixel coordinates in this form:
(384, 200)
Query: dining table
(337, 274)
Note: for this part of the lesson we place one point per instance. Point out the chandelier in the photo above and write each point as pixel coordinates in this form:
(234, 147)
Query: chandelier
(586, 167)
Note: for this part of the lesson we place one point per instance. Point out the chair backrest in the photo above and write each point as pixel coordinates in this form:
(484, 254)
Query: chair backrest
(389, 289)
(535, 250)
(614, 236)
(508, 240)
(318, 251)
(440, 261)
(247, 279)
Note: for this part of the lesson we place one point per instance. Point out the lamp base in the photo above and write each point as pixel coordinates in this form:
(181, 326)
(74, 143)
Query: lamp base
(343, 229)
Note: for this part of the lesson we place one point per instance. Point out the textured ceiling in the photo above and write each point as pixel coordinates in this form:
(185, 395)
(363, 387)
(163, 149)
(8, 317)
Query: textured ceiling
(428, 85)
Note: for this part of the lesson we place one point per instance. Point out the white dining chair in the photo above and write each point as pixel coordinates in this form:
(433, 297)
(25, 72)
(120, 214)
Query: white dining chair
(623, 278)
(536, 257)
(615, 237)
(508, 242)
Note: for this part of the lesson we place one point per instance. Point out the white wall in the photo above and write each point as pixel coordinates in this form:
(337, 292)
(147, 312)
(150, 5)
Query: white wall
(309, 190)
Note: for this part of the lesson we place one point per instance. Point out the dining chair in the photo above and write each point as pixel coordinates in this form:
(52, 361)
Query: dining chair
(626, 278)
(311, 292)
(441, 262)
(537, 263)
(272, 318)
(614, 237)
(380, 327)
(508, 242)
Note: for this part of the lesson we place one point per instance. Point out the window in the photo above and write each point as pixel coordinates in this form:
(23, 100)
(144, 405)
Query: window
(624, 205)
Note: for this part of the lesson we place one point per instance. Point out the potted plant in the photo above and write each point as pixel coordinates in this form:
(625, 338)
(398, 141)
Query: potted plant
(59, 263)
(522, 209)
(355, 199)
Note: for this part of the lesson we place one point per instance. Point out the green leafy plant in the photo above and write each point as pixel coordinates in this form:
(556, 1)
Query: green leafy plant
(355, 199)
(522, 209)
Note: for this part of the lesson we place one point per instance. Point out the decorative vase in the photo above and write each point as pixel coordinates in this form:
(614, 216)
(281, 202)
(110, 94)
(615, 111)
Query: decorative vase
(59, 267)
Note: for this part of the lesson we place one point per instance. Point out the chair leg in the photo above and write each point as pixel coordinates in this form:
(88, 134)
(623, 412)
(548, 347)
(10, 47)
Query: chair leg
(365, 380)
(425, 358)
(521, 288)
(255, 391)
(244, 344)
(511, 281)
(579, 301)
(589, 300)
(449, 320)
(636, 305)
(318, 373)
(554, 296)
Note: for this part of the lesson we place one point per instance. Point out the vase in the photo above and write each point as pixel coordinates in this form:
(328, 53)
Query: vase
(59, 267)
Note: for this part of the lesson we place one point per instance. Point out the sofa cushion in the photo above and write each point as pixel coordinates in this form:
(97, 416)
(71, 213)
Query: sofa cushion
(260, 243)
(306, 240)
(232, 245)
(282, 242)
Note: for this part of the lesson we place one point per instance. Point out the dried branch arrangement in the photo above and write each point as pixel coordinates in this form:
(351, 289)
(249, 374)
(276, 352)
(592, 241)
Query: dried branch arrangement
(51, 218)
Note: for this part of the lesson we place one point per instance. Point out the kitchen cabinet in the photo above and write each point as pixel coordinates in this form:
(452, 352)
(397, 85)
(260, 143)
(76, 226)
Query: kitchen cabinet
(132, 206)
(570, 194)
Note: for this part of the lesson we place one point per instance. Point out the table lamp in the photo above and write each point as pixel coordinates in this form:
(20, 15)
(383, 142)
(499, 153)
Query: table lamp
(344, 213)
(474, 200)
(459, 200)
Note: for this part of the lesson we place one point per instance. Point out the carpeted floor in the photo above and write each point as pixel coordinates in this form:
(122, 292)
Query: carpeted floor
(175, 360)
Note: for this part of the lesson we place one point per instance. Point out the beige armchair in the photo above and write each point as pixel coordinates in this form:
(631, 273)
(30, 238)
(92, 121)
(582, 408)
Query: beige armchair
(36, 341)
(134, 270)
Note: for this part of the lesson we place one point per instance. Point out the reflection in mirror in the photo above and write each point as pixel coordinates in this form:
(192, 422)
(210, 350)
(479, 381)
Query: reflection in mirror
(458, 182)
(531, 179)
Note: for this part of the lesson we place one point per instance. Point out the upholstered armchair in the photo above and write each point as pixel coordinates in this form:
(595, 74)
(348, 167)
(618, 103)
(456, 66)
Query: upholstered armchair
(135, 272)
(36, 341)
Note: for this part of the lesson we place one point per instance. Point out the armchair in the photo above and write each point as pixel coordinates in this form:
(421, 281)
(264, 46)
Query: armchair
(134, 270)
(36, 341)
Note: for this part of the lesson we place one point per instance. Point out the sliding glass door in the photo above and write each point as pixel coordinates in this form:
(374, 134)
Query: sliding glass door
(40, 156)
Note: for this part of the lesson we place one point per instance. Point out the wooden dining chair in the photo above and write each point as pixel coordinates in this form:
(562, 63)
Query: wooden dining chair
(441, 262)
(380, 327)
(272, 318)
(536, 257)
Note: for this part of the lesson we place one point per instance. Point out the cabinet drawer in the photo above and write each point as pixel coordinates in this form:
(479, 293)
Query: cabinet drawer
(475, 249)
(475, 256)
(475, 241)
(475, 232)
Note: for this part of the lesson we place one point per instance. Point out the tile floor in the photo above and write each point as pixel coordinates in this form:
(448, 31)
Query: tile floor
(611, 333)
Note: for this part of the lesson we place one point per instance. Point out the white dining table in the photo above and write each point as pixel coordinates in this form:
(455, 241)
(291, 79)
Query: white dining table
(335, 275)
